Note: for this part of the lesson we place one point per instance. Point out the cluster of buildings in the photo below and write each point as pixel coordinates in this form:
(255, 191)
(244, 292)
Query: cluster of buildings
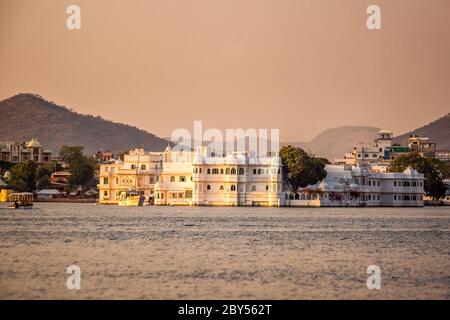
(242, 179)
(15, 152)
(190, 178)
(193, 177)
(383, 150)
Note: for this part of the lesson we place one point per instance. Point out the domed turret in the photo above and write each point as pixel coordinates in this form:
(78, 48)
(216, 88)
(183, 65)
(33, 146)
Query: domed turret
(34, 144)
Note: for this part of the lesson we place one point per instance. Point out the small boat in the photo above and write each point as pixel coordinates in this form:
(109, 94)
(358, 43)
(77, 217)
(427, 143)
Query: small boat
(131, 198)
(23, 200)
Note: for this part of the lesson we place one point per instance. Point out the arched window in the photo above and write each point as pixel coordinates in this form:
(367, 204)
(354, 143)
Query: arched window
(233, 171)
(195, 170)
(221, 188)
(215, 171)
(208, 187)
(241, 171)
(227, 171)
(221, 171)
(208, 171)
(267, 188)
(233, 187)
(172, 179)
(253, 188)
(259, 171)
(297, 196)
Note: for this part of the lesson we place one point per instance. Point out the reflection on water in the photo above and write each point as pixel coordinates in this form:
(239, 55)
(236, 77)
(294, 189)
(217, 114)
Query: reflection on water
(224, 252)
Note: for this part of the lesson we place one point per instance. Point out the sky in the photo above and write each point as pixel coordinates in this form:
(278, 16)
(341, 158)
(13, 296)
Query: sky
(301, 66)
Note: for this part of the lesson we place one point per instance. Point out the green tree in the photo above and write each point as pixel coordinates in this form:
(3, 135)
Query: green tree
(81, 167)
(71, 153)
(23, 177)
(43, 175)
(301, 169)
(431, 168)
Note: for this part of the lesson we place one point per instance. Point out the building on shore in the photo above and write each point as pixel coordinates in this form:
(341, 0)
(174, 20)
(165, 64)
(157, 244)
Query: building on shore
(237, 179)
(139, 171)
(354, 186)
(15, 152)
(242, 179)
(382, 150)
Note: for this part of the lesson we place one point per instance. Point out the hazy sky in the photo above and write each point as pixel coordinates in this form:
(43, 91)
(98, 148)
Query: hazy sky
(298, 65)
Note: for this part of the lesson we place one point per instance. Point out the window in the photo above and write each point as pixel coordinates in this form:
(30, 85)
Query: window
(221, 188)
(208, 187)
(259, 171)
(253, 188)
(105, 180)
(267, 188)
(227, 171)
(188, 194)
(182, 179)
(233, 187)
(133, 166)
(143, 167)
(172, 179)
(254, 171)
(395, 197)
(279, 170)
(241, 171)
(195, 170)
(208, 171)
(181, 195)
(221, 171)
(215, 171)
(105, 193)
(233, 171)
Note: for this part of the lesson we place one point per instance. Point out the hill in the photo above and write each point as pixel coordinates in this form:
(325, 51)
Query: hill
(438, 131)
(25, 116)
(333, 143)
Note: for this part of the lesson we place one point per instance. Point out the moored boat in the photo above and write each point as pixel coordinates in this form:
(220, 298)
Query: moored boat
(131, 198)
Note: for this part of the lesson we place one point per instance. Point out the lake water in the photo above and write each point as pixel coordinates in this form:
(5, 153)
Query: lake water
(223, 253)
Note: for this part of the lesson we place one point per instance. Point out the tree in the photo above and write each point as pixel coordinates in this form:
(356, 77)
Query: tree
(81, 168)
(43, 175)
(301, 168)
(23, 176)
(431, 168)
(71, 153)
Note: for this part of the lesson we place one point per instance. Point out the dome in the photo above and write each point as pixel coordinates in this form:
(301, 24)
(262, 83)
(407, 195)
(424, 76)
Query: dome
(354, 186)
(34, 144)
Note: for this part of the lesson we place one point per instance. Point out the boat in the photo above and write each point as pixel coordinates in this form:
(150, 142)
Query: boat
(22, 200)
(131, 198)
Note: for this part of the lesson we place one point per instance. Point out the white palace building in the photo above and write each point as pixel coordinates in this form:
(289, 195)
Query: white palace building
(240, 179)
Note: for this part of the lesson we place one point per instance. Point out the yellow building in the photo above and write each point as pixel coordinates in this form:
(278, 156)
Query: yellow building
(138, 171)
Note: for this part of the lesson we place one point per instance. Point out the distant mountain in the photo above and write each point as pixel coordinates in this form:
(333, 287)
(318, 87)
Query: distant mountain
(333, 143)
(438, 131)
(26, 116)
